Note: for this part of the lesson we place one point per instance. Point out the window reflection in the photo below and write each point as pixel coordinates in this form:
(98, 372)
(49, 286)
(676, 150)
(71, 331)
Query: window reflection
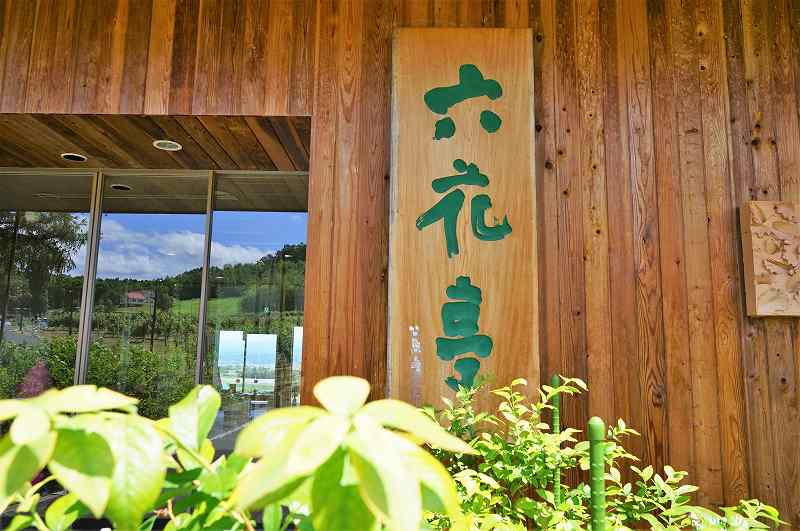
(147, 292)
(255, 306)
(42, 254)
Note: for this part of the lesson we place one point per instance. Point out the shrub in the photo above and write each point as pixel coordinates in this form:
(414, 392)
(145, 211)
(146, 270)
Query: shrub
(349, 466)
(509, 483)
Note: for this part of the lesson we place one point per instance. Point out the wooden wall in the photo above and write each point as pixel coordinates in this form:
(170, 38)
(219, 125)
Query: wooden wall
(655, 120)
(157, 56)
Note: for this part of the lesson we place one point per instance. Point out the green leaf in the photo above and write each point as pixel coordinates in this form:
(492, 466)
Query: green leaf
(342, 395)
(83, 399)
(387, 487)
(191, 419)
(267, 431)
(267, 480)
(20, 522)
(138, 469)
(32, 423)
(272, 517)
(83, 464)
(316, 443)
(63, 512)
(402, 416)
(18, 464)
(336, 504)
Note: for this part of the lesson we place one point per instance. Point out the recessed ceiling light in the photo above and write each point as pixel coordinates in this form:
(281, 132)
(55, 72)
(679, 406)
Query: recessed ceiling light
(167, 145)
(121, 187)
(73, 157)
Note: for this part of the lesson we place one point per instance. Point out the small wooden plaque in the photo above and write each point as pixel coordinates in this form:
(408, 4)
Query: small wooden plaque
(771, 249)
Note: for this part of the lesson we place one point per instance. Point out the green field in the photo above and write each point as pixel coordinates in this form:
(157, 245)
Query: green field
(217, 308)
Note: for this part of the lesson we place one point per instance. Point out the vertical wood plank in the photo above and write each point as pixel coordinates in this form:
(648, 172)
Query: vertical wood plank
(599, 370)
(137, 49)
(624, 326)
(278, 55)
(159, 58)
(680, 433)
(572, 301)
(702, 345)
(547, 186)
(183, 61)
(725, 272)
(646, 236)
(15, 49)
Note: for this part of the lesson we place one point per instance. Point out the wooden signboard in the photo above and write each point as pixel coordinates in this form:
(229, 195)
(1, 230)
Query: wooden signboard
(463, 265)
(771, 250)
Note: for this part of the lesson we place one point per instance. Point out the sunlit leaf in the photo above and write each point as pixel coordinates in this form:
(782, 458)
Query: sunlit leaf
(63, 512)
(337, 504)
(342, 395)
(402, 416)
(316, 443)
(267, 431)
(31, 424)
(389, 489)
(82, 463)
(83, 399)
(191, 419)
(267, 480)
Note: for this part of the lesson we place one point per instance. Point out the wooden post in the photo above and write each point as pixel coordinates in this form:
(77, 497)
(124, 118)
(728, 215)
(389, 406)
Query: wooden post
(555, 381)
(597, 470)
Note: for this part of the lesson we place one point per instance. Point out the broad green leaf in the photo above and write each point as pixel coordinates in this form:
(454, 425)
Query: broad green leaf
(32, 423)
(335, 503)
(83, 464)
(387, 487)
(191, 418)
(267, 480)
(267, 431)
(148, 524)
(402, 416)
(206, 452)
(63, 512)
(138, 469)
(18, 464)
(272, 517)
(316, 443)
(83, 399)
(342, 395)
(20, 522)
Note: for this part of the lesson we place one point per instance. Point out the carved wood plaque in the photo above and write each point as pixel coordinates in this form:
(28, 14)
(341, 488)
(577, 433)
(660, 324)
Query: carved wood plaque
(771, 249)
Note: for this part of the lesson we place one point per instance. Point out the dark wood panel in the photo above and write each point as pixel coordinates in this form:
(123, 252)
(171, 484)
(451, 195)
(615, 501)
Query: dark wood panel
(157, 56)
(126, 141)
(687, 98)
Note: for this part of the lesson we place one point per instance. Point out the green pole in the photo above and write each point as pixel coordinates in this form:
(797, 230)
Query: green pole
(597, 472)
(555, 381)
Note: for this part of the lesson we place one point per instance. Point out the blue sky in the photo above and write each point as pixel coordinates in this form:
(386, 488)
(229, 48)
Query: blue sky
(148, 246)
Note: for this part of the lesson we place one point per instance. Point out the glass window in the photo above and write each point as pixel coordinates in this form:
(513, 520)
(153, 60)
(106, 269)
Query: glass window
(147, 292)
(254, 324)
(43, 230)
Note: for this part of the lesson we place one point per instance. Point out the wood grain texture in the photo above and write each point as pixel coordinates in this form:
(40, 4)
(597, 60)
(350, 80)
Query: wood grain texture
(420, 266)
(157, 56)
(696, 107)
(126, 141)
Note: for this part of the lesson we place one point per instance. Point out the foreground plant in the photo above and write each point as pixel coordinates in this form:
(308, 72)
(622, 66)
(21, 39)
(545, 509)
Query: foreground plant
(348, 466)
(509, 484)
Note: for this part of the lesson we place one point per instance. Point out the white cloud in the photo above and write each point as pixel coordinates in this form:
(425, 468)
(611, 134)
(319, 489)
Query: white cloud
(127, 253)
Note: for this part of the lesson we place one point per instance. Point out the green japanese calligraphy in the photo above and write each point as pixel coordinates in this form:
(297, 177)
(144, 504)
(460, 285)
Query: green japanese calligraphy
(471, 84)
(449, 207)
(468, 368)
(460, 323)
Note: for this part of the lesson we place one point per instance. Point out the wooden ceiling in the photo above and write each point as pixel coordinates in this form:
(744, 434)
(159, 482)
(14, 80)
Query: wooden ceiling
(126, 141)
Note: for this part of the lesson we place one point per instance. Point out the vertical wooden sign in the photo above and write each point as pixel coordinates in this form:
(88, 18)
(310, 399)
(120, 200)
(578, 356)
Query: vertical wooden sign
(463, 253)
